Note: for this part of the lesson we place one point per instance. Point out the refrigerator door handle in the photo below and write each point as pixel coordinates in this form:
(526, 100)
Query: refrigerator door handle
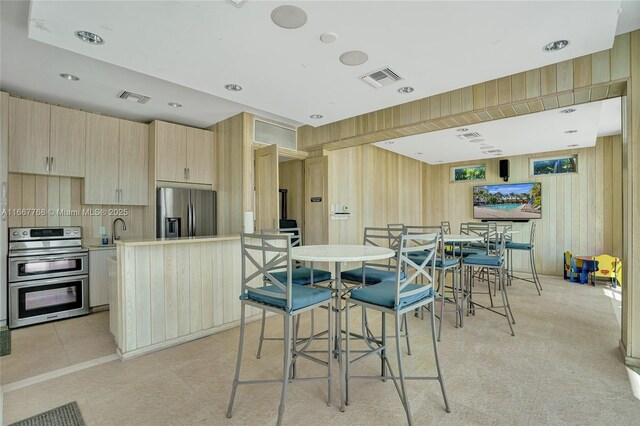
(188, 219)
(193, 220)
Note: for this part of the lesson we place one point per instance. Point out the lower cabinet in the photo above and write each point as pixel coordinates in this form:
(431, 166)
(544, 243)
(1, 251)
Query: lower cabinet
(99, 276)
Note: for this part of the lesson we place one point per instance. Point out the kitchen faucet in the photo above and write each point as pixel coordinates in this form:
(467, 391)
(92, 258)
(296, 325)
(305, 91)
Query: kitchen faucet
(114, 236)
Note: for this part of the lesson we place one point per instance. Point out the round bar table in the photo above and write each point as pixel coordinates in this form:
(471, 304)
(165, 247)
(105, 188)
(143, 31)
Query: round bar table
(338, 253)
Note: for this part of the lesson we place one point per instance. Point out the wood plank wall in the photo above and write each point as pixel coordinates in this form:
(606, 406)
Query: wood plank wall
(292, 179)
(176, 292)
(378, 186)
(52, 192)
(581, 212)
(234, 171)
(588, 78)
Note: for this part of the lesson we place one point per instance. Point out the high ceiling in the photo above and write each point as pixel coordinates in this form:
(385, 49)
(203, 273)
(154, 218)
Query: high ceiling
(186, 52)
(564, 128)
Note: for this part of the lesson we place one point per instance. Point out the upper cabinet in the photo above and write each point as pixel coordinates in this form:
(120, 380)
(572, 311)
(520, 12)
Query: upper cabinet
(117, 162)
(183, 154)
(45, 139)
(29, 124)
(67, 143)
(134, 163)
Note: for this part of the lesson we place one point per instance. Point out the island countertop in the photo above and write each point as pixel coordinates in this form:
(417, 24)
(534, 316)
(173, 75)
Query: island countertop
(179, 240)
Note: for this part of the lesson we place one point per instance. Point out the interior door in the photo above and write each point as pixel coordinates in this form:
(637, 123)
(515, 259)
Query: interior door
(316, 215)
(267, 204)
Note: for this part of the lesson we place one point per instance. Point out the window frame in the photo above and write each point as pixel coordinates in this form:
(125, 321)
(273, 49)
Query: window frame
(532, 162)
(452, 173)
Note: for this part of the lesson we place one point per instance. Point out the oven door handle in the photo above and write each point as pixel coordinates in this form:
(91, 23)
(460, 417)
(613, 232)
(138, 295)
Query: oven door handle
(32, 259)
(35, 283)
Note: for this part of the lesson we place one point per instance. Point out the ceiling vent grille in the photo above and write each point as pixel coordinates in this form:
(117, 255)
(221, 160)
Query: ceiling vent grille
(470, 135)
(381, 77)
(133, 97)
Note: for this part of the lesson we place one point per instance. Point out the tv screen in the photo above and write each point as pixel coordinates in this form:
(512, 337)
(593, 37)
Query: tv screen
(517, 201)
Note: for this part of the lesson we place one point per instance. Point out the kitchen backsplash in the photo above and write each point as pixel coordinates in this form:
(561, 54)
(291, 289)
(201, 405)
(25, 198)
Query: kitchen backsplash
(37, 200)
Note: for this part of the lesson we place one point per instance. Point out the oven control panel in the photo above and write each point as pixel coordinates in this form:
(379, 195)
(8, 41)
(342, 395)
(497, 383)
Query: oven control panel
(46, 233)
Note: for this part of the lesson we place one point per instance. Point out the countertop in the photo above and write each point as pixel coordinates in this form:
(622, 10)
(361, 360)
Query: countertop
(181, 240)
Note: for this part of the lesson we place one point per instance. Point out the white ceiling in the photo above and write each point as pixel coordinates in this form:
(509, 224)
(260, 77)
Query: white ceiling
(186, 51)
(527, 134)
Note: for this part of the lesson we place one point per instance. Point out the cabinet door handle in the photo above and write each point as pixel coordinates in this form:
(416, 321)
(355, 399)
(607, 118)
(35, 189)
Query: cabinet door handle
(188, 173)
(47, 164)
(51, 162)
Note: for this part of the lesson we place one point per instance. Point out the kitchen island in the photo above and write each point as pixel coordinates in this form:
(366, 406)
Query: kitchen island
(165, 292)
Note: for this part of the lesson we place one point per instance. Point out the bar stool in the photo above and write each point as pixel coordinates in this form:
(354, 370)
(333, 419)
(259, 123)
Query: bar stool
(260, 255)
(396, 298)
(490, 262)
(530, 247)
(300, 275)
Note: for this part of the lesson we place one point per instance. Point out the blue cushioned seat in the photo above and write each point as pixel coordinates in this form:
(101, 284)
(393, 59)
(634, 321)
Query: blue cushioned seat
(384, 294)
(301, 296)
(479, 259)
(302, 276)
(465, 251)
(371, 275)
(419, 258)
(518, 246)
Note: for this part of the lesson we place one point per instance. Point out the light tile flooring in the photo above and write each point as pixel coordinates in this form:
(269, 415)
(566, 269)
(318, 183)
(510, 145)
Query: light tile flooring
(562, 367)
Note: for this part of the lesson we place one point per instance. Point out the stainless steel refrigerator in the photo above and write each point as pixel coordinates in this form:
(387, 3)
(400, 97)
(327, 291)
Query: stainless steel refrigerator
(185, 212)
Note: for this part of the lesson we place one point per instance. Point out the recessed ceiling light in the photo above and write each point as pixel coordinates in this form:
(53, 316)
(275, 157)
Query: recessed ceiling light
(555, 45)
(328, 37)
(233, 87)
(237, 3)
(567, 111)
(175, 105)
(353, 58)
(70, 77)
(573, 145)
(89, 37)
(462, 129)
(316, 116)
(570, 131)
(289, 17)
(406, 89)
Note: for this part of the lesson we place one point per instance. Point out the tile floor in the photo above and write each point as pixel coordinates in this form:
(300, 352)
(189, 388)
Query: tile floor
(562, 367)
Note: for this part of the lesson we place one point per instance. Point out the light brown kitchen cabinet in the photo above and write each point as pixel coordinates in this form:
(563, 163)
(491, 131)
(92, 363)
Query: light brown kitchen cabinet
(171, 151)
(45, 139)
(67, 142)
(102, 160)
(183, 154)
(29, 124)
(134, 163)
(116, 162)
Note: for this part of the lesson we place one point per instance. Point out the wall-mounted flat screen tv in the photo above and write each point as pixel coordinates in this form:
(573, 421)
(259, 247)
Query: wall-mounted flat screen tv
(516, 201)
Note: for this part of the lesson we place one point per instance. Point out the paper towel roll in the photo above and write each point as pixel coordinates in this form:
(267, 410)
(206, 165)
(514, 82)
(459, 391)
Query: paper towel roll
(248, 222)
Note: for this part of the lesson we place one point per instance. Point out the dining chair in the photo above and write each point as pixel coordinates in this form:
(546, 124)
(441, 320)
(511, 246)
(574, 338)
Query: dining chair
(446, 226)
(396, 297)
(467, 249)
(493, 262)
(374, 272)
(530, 248)
(444, 265)
(300, 275)
(261, 254)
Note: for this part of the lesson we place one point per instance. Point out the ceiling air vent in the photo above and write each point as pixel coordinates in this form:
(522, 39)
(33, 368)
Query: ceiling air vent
(133, 97)
(470, 135)
(382, 77)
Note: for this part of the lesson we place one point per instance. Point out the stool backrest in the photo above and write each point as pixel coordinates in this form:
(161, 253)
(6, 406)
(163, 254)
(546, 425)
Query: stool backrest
(533, 234)
(446, 226)
(262, 254)
(429, 229)
(488, 231)
(388, 237)
(425, 270)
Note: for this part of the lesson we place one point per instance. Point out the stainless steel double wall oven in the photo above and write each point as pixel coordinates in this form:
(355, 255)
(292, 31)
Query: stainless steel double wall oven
(48, 275)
